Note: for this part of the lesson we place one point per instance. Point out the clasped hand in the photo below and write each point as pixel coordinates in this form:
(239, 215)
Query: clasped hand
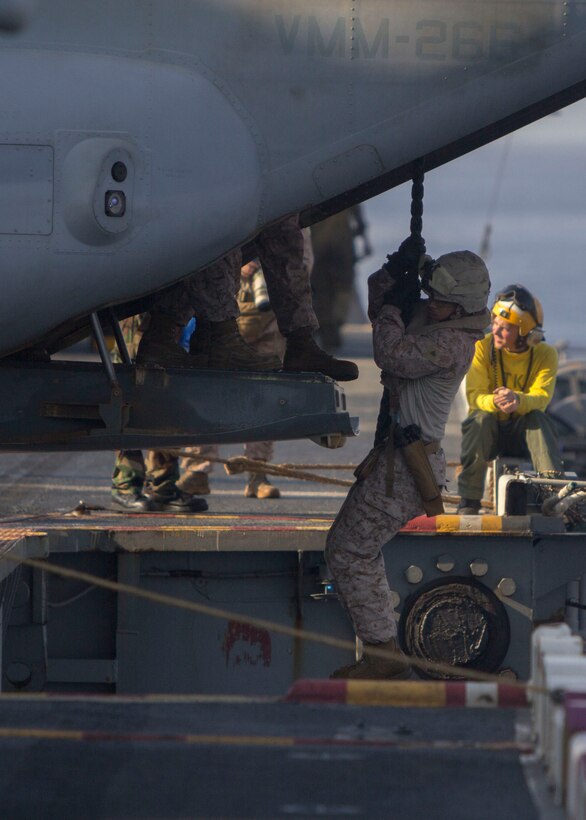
(505, 399)
(380, 284)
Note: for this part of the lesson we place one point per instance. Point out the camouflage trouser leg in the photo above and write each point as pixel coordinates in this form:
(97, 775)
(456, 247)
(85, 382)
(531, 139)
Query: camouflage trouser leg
(259, 450)
(195, 461)
(260, 331)
(132, 329)
(366, 522)
(129, 472)
(281, 254)
(162, 467)
(209, 294)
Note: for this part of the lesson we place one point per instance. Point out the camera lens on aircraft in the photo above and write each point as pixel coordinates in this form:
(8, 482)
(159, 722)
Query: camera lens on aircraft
(119, 171)
(115, 203)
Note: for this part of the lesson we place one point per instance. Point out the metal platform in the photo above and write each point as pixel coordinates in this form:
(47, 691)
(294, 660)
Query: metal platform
(68, 633)
(72, 406)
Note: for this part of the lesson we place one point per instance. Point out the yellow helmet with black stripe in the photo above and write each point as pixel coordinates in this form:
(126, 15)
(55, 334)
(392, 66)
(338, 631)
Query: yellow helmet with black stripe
(516, 305)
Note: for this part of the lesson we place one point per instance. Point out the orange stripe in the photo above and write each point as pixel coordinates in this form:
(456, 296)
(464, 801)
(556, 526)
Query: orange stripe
(493, 523)
(42, 734)
(396, 693)
(448, 523)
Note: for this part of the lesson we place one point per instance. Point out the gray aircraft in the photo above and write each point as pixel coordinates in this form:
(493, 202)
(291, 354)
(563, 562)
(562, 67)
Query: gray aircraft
(143, 140)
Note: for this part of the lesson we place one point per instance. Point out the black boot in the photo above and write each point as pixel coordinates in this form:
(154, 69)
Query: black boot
(303, 355)
(131, 502)
(179, 503)
(229, 351)
(201, 340)
(160, 344)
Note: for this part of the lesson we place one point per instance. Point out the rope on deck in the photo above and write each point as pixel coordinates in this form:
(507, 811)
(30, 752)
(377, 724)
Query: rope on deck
(236, 465)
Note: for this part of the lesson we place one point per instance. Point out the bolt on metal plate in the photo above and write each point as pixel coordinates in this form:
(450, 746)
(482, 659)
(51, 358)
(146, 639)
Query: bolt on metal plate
(414, 574)
(507, 586)
(479, 567)
(445, 562)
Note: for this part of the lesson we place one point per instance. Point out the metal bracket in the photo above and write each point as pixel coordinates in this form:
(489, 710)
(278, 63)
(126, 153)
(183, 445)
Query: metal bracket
(115, 413)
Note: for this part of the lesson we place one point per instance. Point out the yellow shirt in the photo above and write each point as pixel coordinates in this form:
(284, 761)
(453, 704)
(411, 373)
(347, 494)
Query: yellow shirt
(535, 389)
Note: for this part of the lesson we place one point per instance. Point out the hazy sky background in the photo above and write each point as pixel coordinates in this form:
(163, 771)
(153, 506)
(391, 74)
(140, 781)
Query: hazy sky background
(538, 226)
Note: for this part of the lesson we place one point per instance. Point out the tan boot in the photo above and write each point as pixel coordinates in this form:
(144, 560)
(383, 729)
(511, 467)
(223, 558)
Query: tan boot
(196, 483)
(260, 487)
(303, 354)
(160, 344)
(370, 667)
(229, 351)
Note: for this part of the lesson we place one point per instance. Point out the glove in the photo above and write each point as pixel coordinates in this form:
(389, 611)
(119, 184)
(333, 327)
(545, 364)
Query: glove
(379, 284)
(405, 296)
(411, 250)
(395, 266)
(398, 297)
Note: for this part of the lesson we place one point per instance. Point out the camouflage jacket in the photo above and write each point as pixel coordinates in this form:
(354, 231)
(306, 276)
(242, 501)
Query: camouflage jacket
(424, 364)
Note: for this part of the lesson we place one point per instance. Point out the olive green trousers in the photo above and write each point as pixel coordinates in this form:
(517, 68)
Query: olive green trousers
(484, 438)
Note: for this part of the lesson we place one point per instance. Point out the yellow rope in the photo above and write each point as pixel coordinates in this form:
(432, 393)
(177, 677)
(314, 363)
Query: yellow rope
(241, 464)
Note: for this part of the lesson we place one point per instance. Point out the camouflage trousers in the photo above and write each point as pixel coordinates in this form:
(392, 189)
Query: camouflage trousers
(165, 471)
(132, 471)
(260, 331)
(211, 293)
(365, 523)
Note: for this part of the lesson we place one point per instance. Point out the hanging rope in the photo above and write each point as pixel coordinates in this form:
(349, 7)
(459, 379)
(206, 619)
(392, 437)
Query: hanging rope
(411, 248)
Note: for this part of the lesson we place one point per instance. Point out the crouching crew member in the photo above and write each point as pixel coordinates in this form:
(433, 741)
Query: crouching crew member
(509, 386)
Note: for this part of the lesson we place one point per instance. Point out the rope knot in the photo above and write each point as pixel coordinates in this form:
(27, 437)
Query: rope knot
(236, 465)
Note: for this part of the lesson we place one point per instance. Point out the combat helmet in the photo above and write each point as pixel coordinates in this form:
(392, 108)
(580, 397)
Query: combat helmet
(515, 304)
(460, 277)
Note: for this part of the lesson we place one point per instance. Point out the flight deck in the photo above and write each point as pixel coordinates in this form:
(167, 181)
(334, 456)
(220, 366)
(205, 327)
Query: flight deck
(118, 705)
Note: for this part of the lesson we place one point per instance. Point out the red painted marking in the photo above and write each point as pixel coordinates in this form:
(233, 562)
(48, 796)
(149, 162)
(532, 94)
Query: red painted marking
(420, 524)
(318, 691)
(511, 696)
(455, 693)
(245, 644)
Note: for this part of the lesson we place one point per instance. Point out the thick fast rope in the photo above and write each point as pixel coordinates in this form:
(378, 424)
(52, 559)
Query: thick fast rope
(260, 623)
(384, 421)
(241, 464)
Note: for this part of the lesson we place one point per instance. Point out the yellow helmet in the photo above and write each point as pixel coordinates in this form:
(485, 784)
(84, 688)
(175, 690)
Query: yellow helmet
(516, 305)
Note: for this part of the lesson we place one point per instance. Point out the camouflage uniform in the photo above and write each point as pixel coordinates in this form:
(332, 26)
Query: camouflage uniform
(211, 293)
(161, 467)
(259, 330)
(159, 470)
(423, 358)
(282, 252)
